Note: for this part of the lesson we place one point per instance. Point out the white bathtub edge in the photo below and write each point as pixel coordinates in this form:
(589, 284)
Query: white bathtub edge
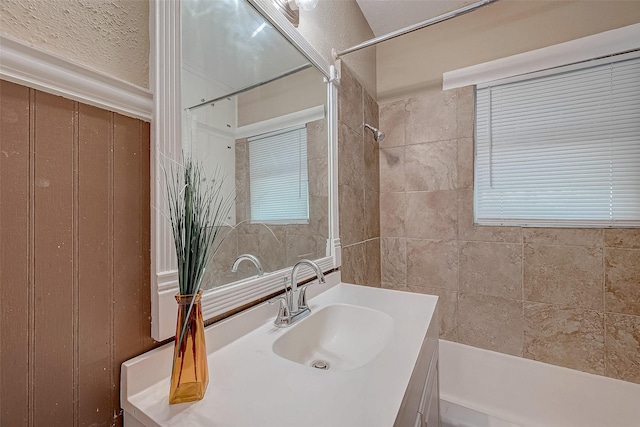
(532, 393)
(453, 414)
(491, 411)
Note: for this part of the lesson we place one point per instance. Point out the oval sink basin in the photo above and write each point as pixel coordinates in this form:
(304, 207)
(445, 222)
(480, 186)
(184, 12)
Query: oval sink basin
(337, 337)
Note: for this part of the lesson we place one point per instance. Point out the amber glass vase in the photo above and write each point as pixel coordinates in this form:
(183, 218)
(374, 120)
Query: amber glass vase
(190, 373)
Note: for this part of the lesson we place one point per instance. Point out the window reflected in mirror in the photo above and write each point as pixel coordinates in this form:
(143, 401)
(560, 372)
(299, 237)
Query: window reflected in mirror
(277, 177)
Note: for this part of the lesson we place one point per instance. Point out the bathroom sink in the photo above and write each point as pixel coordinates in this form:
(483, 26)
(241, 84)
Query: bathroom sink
(337, 337)
(373, 341)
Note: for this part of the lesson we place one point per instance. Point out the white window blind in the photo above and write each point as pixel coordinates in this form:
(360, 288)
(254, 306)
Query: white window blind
(561, 148)
(278, 177)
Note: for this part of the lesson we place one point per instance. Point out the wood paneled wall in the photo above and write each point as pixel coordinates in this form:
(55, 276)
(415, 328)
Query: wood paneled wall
(74, 263)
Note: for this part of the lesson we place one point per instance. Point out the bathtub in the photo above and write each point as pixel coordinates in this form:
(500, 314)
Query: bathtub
(481, 388)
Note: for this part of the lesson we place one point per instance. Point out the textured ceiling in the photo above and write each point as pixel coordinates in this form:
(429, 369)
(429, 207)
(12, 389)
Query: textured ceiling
(111, 36)
(385, 16)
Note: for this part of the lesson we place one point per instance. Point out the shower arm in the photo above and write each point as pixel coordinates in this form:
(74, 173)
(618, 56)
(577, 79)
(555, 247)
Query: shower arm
(414, 27)
(377, 134)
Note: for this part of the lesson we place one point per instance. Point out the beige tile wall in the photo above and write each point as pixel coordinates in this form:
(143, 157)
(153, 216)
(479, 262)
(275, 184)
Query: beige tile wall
(358, 183)
(569, 297)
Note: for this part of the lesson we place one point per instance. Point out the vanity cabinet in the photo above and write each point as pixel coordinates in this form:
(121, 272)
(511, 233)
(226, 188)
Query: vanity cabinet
(421, 403)
(429, 411)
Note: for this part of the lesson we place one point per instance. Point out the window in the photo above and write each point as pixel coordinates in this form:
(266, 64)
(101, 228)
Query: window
(560, 147)
(278, 179)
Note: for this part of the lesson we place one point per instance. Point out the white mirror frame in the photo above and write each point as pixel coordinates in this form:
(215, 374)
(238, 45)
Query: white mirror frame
(166, 135)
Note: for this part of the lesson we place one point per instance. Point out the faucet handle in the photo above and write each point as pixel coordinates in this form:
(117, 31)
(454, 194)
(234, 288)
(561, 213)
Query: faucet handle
(302, 297)
(283, 310)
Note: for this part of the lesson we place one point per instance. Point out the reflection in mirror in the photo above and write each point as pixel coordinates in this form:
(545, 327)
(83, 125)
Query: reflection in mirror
(255, 109)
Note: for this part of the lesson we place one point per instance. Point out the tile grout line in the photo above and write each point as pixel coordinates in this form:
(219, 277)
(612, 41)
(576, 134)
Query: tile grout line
(403, 239)
(604, 303)
(522, 287)
(457, 304)
(364, 181)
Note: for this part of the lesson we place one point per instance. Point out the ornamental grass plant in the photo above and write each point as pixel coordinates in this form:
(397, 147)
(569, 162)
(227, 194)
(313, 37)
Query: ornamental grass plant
(197, 210)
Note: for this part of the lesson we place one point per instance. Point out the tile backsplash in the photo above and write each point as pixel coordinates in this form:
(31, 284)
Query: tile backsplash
(570, 297)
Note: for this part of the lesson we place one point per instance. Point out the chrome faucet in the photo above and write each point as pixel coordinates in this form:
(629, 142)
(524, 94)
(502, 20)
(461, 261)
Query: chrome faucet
(293, 305)
(249, 257)
(299, 299)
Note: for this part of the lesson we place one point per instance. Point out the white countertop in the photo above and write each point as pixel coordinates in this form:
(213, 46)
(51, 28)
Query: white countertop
(251, 386)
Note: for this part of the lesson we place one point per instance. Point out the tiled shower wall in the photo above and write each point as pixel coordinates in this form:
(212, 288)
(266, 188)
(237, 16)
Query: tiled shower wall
(358, 183)
(569, 297)
(74, 266)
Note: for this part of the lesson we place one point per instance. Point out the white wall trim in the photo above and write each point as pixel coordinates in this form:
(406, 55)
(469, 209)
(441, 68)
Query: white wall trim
(166, 145)
(334, 245)
(288, 120)
(591, 47)
(220, 300)
(29, 66)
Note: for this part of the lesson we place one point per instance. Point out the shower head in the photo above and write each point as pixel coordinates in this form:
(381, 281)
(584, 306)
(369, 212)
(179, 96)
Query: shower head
(377, 134)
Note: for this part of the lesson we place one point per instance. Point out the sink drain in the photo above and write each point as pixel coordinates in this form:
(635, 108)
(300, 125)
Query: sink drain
(320, 364)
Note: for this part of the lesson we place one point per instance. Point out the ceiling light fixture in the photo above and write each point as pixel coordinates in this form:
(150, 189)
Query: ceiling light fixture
(289, 8)
(292, 13)
(307, 5)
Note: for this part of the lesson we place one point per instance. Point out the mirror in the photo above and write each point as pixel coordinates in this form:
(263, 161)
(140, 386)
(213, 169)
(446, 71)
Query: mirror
(255, 109)
(258, 93)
